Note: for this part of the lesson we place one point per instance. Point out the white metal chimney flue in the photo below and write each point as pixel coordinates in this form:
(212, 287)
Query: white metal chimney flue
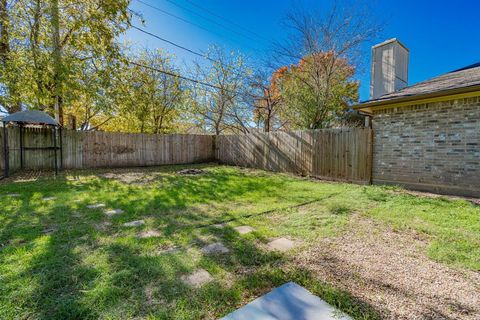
(389, 68)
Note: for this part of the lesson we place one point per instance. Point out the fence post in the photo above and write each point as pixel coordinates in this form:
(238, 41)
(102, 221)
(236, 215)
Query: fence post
(5, 150)
(214, 148)
(370, 155)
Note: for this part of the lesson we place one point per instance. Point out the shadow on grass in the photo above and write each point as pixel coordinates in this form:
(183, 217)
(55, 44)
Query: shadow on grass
(75, 275)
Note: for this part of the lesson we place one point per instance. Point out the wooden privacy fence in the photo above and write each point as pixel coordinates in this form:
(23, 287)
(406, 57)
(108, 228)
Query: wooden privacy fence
(336, 154)
(85, 149)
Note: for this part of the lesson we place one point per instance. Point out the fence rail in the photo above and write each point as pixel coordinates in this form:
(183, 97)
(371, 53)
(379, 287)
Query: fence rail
(336, 154)
(83, 149)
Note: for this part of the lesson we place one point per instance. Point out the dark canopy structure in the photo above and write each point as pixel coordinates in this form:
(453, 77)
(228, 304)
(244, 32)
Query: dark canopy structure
(31, 117)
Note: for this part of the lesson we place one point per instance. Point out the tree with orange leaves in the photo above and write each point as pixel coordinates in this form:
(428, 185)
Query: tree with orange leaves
(318, 91)
(267, 107)
(322, 48)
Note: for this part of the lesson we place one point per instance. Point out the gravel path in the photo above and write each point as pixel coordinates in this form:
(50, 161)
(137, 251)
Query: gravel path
(389, 271)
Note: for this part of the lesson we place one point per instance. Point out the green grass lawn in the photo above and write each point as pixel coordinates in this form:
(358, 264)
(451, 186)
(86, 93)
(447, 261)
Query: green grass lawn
(60, 259)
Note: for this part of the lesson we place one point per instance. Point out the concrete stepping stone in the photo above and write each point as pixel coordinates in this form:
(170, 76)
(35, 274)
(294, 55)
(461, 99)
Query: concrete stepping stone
(280, 244)
(149, 234)
(113, 212)
(288, 302)
(244, 229)
(49, 198)
(219, 225)
(169, 250)
(96, 206)
(135, 223)
(198, 278)
(103, 226)
(215, 248)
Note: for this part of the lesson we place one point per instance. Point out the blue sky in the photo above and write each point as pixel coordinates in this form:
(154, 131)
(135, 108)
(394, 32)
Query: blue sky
(441, 35)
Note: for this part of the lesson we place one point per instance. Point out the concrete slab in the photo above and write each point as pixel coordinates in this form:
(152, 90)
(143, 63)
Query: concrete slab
(149, 234)
(244, 229)
(103, 226)
(135, 223)
(215, 248)
(288, 302)
(113, 212)
(169, 250)
(280, 244)
(96, 206)
(198, 278)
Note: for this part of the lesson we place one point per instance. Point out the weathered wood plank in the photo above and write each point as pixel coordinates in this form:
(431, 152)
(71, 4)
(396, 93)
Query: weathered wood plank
(105, 149)
(337, 154)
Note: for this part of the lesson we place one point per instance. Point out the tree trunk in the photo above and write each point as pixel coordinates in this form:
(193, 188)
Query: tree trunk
(11, 103)
(57, 62)
(4, 42)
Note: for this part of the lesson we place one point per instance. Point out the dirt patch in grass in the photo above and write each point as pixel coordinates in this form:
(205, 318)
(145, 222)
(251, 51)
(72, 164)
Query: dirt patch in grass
(393, 274)
(191, 171)
(136, 178)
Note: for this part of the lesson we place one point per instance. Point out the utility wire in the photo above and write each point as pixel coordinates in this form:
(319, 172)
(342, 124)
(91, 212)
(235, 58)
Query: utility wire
(211, 20)
(238, 72)
(226, 20)
(189, 22)
(173, 15)
(176, 75)
(173, 43)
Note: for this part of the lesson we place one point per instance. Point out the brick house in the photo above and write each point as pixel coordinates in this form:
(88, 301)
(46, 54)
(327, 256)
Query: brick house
(426, 136)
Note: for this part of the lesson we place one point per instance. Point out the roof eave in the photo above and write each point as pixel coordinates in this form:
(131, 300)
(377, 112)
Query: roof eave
(457, 93)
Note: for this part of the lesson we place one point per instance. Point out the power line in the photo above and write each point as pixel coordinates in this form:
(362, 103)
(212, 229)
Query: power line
(236, 71)
(176, 75)
(226, 20)
(173, 15)
(211, 20)
(173, 43)
(187, 21)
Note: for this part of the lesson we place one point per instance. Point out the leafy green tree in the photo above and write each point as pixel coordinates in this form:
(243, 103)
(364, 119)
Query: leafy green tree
(50, 43)
(95, 96)
(9, 71)
(148, 101)
(227, 106)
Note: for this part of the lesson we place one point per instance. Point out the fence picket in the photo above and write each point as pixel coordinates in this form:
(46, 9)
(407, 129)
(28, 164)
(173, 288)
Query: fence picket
(105, 149)
(337, 154)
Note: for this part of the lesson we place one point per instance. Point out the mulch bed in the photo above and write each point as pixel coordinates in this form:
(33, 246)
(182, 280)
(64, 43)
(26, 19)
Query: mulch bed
(393, 275)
